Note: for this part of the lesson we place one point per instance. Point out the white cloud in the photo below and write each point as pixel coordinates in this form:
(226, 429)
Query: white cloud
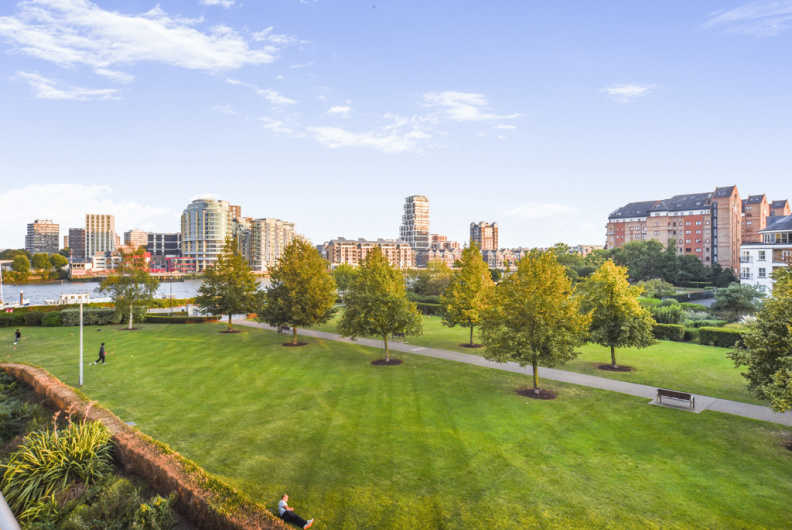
(78, 32)
(115, 75)
(297, 66)
(757, 19)
(223, 3)
(278, 128)
(335, 137)
(340, 110)
(44, 88)
(266, 35)
(627, 93)
(225, 109)
(535, 210)
(463, 106)
(503, 126)
(267, 93)
(46, 201)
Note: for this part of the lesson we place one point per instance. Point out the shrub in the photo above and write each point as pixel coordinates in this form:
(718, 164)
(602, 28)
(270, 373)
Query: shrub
(722, 337)
(697, 308)
(667, 302)
(52, 320)
(33, 318)
(430, 309)
(15, 412)
(673, 332)
(49, 460)
(181, 319)
(11, 320)
(709, 323)
(423, 298)
(672, 314)
(691, 335)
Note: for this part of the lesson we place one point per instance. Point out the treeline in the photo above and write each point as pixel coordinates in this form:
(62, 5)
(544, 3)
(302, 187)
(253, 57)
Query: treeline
(41, 265)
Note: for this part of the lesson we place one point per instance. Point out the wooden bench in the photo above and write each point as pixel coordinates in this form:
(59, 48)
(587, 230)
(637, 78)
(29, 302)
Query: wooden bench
(673, 394)
(284, 329)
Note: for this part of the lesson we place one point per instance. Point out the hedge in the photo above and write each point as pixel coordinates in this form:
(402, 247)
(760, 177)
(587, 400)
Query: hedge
(687, 297)
(33, 318)
(675, 332)
(52, 320)
(97, 316)
(160, 319)
(423, 298)
(711, 323)
(430, 309)
(691, 335)
(722, 337)
(12, 320)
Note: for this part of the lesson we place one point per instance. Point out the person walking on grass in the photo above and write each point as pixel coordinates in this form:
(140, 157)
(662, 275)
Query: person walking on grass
(17, 336)
(288, 515)
(101, 355)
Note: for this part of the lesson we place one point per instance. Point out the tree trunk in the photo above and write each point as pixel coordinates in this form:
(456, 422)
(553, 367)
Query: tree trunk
(387, 353)
(613, 356)
(535, 366)
(131, 313)
(294, 334)
(229, 321)
(471, 335)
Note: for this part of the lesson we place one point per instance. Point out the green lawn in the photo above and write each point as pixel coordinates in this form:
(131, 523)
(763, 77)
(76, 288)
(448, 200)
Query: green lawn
(683, 366)
(428, 444)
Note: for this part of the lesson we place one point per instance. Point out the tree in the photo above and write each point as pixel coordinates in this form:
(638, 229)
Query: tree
(129, 287)
(432, 280)
(377, 304)
(58, 261)
(532, 317)
(229, 287)
(466, 294)
(735, 300)
(643, 259)
(768, 347)
(20, 264)
(617, 319)
(302, 291)
(343, 275)
(41, 261)
(656, 288)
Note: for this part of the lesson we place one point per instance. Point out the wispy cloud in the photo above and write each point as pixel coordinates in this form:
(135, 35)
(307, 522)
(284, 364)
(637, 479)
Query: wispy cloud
(279, 128)
(222, 3)
(80, 33)
(335, 137)
(266, 35)
(273, 96)
(46, 201)
(339, 110)
(225, 109)
(44, 88)
(534, 210)
(627, 93)
(463, 106)
(115, 75)
(756, 19)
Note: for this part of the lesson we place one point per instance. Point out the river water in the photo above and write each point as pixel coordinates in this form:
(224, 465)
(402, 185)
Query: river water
(52, 291)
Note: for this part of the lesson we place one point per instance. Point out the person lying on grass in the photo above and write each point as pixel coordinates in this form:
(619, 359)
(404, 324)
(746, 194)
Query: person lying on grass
(288, 515)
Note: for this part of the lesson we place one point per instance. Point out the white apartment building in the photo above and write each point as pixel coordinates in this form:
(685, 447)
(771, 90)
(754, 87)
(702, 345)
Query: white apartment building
(415, 222)
(135, 238)
(268, 238)
(759, 260)
(100, 235)
(205, 224)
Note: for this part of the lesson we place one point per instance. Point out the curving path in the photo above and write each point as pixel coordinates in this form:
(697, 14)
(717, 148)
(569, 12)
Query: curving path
(703, 403)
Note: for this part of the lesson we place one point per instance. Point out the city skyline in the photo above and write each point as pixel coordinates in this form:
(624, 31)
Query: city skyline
(545, 118)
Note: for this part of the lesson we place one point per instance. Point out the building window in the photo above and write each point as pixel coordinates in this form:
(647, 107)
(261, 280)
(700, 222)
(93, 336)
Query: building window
(762, 255)
(749, 208)
(762, 272)
(687, 232)
(750, 222)
(687, 223)
(698, 222)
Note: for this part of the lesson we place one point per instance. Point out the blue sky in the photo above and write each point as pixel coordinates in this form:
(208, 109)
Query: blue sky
(542, 116)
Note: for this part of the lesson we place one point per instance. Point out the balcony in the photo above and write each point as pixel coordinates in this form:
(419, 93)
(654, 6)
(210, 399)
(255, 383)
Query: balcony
(746, 259)
(746, 276)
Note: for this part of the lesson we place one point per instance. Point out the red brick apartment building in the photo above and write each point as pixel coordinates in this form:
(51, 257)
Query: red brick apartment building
(709, 225)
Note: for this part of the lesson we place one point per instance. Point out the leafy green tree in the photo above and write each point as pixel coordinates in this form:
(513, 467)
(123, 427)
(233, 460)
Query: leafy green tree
(532, 317)
(617, 319)
(302, 291)
(432, 280)
(65, 252)
(58, 261)
(691, 269)
(343, 275)
(496, 275)
(736, 300)
(229, 287)
(642, 259)
(466, 294)
(722, 277)
(768, 347)
(129, 287)
(668, 264)
(656, 288)
(41, 261)
(20, 264)
(377, 304)
(11, 253)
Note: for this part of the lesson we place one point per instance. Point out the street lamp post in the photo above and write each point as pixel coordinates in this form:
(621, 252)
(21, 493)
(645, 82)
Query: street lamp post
(81, 342)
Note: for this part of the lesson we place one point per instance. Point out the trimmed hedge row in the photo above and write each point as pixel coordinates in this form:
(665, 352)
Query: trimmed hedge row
(430, 309)
(687, 297)
(12, 320)
(675, 332)
(160, 319)
(98, 316)
(711, 323)
(722, 337)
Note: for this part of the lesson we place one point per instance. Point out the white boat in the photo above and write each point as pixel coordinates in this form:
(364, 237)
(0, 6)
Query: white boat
(23, 302)
(76, 298)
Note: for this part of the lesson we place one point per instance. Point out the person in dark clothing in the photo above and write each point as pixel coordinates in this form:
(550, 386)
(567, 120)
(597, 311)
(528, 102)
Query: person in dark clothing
(288, 515)
(17, 336)
(101, 355)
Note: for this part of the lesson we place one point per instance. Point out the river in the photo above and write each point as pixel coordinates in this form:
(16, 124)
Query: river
(52, 291)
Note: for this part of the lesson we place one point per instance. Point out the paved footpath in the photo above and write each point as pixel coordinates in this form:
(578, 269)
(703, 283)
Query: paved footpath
(703, 403)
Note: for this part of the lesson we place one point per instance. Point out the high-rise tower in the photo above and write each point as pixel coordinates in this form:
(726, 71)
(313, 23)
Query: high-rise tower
(415, 222)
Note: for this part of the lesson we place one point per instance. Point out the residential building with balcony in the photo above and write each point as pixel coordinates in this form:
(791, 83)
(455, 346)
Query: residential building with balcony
(414, 229)
(449, 256)
(265, 241)
(42, 236)
(100, 234)
(77, 244)
(759, 260)
(205, 224)
(485, 235)
(341, 250)
(135, 238)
